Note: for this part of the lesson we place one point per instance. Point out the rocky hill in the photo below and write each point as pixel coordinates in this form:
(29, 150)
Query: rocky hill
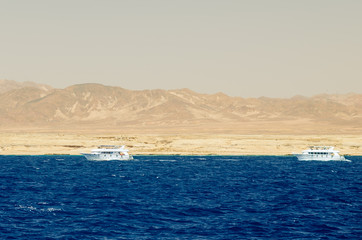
(7, 85)
(98, 107)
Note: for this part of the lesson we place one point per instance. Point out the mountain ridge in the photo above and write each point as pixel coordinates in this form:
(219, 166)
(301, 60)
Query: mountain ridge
(8, 85)
(96, 106)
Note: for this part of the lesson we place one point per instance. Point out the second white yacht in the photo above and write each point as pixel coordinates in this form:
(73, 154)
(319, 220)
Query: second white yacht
(320, 153)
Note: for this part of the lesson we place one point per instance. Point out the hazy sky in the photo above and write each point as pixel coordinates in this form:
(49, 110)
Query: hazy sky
(243, 48)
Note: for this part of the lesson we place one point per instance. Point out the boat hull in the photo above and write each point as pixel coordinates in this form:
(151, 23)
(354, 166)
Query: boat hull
(307, 157)
(107, 157)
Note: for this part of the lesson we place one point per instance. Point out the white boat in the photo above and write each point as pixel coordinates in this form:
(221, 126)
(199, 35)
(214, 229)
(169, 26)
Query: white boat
(320, 153)
(108, 152)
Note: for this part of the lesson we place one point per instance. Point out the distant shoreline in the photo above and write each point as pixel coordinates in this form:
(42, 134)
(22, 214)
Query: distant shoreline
(171, 155)
(165, 144)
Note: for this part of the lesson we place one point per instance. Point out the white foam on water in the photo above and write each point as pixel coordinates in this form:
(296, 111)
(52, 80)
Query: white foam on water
(52, 210)
(34, 209)
(30, 208)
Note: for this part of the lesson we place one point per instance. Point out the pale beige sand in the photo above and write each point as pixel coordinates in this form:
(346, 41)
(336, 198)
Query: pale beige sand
(188, 144)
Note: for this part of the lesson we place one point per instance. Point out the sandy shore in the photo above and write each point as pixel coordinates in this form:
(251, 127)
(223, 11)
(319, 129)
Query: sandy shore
(163, 144)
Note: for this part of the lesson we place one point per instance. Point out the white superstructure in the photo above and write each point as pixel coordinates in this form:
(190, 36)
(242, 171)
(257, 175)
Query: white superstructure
(108, 152)
(320, 153)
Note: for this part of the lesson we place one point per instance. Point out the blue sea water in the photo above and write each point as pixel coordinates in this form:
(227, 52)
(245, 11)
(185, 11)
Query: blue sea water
(179, 197)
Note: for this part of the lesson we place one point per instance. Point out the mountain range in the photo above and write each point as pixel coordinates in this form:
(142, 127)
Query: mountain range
(95, 107)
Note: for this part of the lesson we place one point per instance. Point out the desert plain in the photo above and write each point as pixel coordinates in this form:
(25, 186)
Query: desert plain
(65, 143)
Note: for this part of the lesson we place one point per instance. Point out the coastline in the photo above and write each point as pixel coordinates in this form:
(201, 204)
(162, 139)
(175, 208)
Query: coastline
(30, 143)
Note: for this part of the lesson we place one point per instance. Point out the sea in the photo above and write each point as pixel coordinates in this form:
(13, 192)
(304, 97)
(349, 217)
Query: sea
(180, 197)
